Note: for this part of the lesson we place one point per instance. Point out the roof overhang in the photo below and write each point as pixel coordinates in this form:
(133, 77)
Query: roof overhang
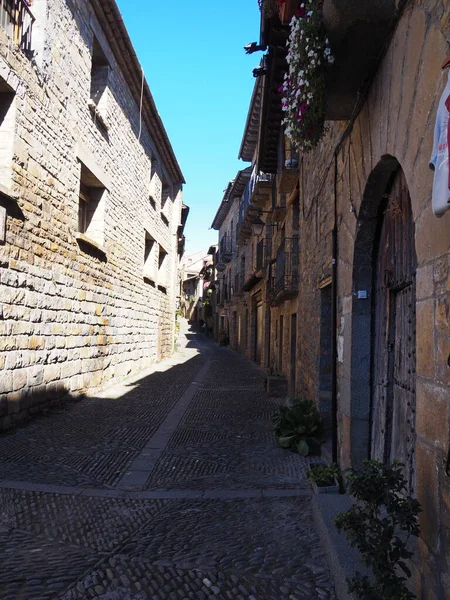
(251, 131)
(110, 19)
(234, 190)
(274, 35)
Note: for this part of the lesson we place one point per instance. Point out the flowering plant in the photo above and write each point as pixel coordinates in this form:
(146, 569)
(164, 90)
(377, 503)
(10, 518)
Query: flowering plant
(270, 7)
(303, 89)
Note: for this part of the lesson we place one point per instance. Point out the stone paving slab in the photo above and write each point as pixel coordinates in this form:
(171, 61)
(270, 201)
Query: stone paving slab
(121, 578)
(33, 567)
(215, 509)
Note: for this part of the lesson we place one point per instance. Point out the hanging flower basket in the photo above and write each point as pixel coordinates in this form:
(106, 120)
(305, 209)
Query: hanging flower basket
(303, 89)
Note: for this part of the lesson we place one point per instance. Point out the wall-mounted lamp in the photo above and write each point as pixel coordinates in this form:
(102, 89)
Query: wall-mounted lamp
(254, 47)
(259, 71)
(257, 226)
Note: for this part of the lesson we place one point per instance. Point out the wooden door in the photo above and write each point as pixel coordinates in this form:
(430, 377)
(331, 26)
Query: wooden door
(259, 331)
(394, 332)
(280, 346)
(293, 365)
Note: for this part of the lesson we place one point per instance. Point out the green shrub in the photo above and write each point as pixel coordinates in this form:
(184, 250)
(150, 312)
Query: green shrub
(379, 525)
(323, 475)
(299, 427)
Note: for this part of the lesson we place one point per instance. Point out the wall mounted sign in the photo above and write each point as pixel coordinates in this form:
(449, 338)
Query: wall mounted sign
(440, 156)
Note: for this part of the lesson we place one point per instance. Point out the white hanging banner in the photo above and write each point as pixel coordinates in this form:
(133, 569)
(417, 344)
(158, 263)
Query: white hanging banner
(440, 156)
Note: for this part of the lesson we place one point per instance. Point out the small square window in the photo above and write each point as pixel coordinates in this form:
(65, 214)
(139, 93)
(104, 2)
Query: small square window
(166, 193)
(163, 265)
(91, 208)
(99, 80)
(150, 258)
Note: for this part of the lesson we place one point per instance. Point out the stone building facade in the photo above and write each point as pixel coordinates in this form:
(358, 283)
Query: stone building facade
(360, 321)
(90, 207)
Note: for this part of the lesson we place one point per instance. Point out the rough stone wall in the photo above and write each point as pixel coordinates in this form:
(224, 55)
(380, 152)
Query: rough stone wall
(72, 318)
(397, 121)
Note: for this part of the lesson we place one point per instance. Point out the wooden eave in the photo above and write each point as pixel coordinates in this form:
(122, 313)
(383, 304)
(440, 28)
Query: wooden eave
(271, 113)
(251, 131)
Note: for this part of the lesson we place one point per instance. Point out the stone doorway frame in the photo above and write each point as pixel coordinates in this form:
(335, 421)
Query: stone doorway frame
(362, 280)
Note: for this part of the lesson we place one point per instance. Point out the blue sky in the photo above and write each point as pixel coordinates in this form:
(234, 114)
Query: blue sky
(193, 58)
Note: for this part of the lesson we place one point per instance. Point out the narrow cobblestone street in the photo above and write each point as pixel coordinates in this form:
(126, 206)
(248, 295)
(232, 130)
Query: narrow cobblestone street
(170, 486)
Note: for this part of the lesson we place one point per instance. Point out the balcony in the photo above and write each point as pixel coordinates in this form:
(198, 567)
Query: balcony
(287, 166)
(225, 249)
(246, 212)
(17, 21)
(285, 274)
(261, 192)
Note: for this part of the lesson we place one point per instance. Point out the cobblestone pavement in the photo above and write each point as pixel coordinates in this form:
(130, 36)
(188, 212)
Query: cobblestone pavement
(169, 486)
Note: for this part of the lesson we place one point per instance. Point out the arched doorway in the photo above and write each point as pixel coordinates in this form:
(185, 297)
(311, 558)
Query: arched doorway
(385, 303)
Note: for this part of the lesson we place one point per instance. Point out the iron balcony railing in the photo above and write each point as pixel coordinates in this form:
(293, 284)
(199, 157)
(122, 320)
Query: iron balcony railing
(248, 203)
(285, 271)
(263, 254)
(226, 249)
(16, 19)
(256, 178)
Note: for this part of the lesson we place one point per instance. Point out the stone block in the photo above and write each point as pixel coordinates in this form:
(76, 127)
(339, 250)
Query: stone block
(427, 494)
(424, 282)
(432, 414)
(19, 379)
(52, 373)
(443, 315)
(432, 236)
(425, 339)
(35, 376)
(443, 360)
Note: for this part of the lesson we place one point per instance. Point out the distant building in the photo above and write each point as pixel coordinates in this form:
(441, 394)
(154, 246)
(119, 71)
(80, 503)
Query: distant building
(196, 275)
(91, 224)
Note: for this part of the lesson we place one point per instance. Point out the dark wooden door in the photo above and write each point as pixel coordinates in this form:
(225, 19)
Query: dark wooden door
(259, 330)
(293, 365)
(394, 332)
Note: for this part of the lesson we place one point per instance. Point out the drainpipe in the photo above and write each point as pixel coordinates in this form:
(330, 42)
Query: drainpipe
(334, 317)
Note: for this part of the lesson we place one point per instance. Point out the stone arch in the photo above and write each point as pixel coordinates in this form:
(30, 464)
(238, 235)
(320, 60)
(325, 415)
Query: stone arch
(361, 337)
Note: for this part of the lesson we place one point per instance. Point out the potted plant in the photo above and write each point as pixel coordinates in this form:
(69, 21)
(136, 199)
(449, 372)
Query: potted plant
(379, 525)
(324, 478)
(299, 427)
